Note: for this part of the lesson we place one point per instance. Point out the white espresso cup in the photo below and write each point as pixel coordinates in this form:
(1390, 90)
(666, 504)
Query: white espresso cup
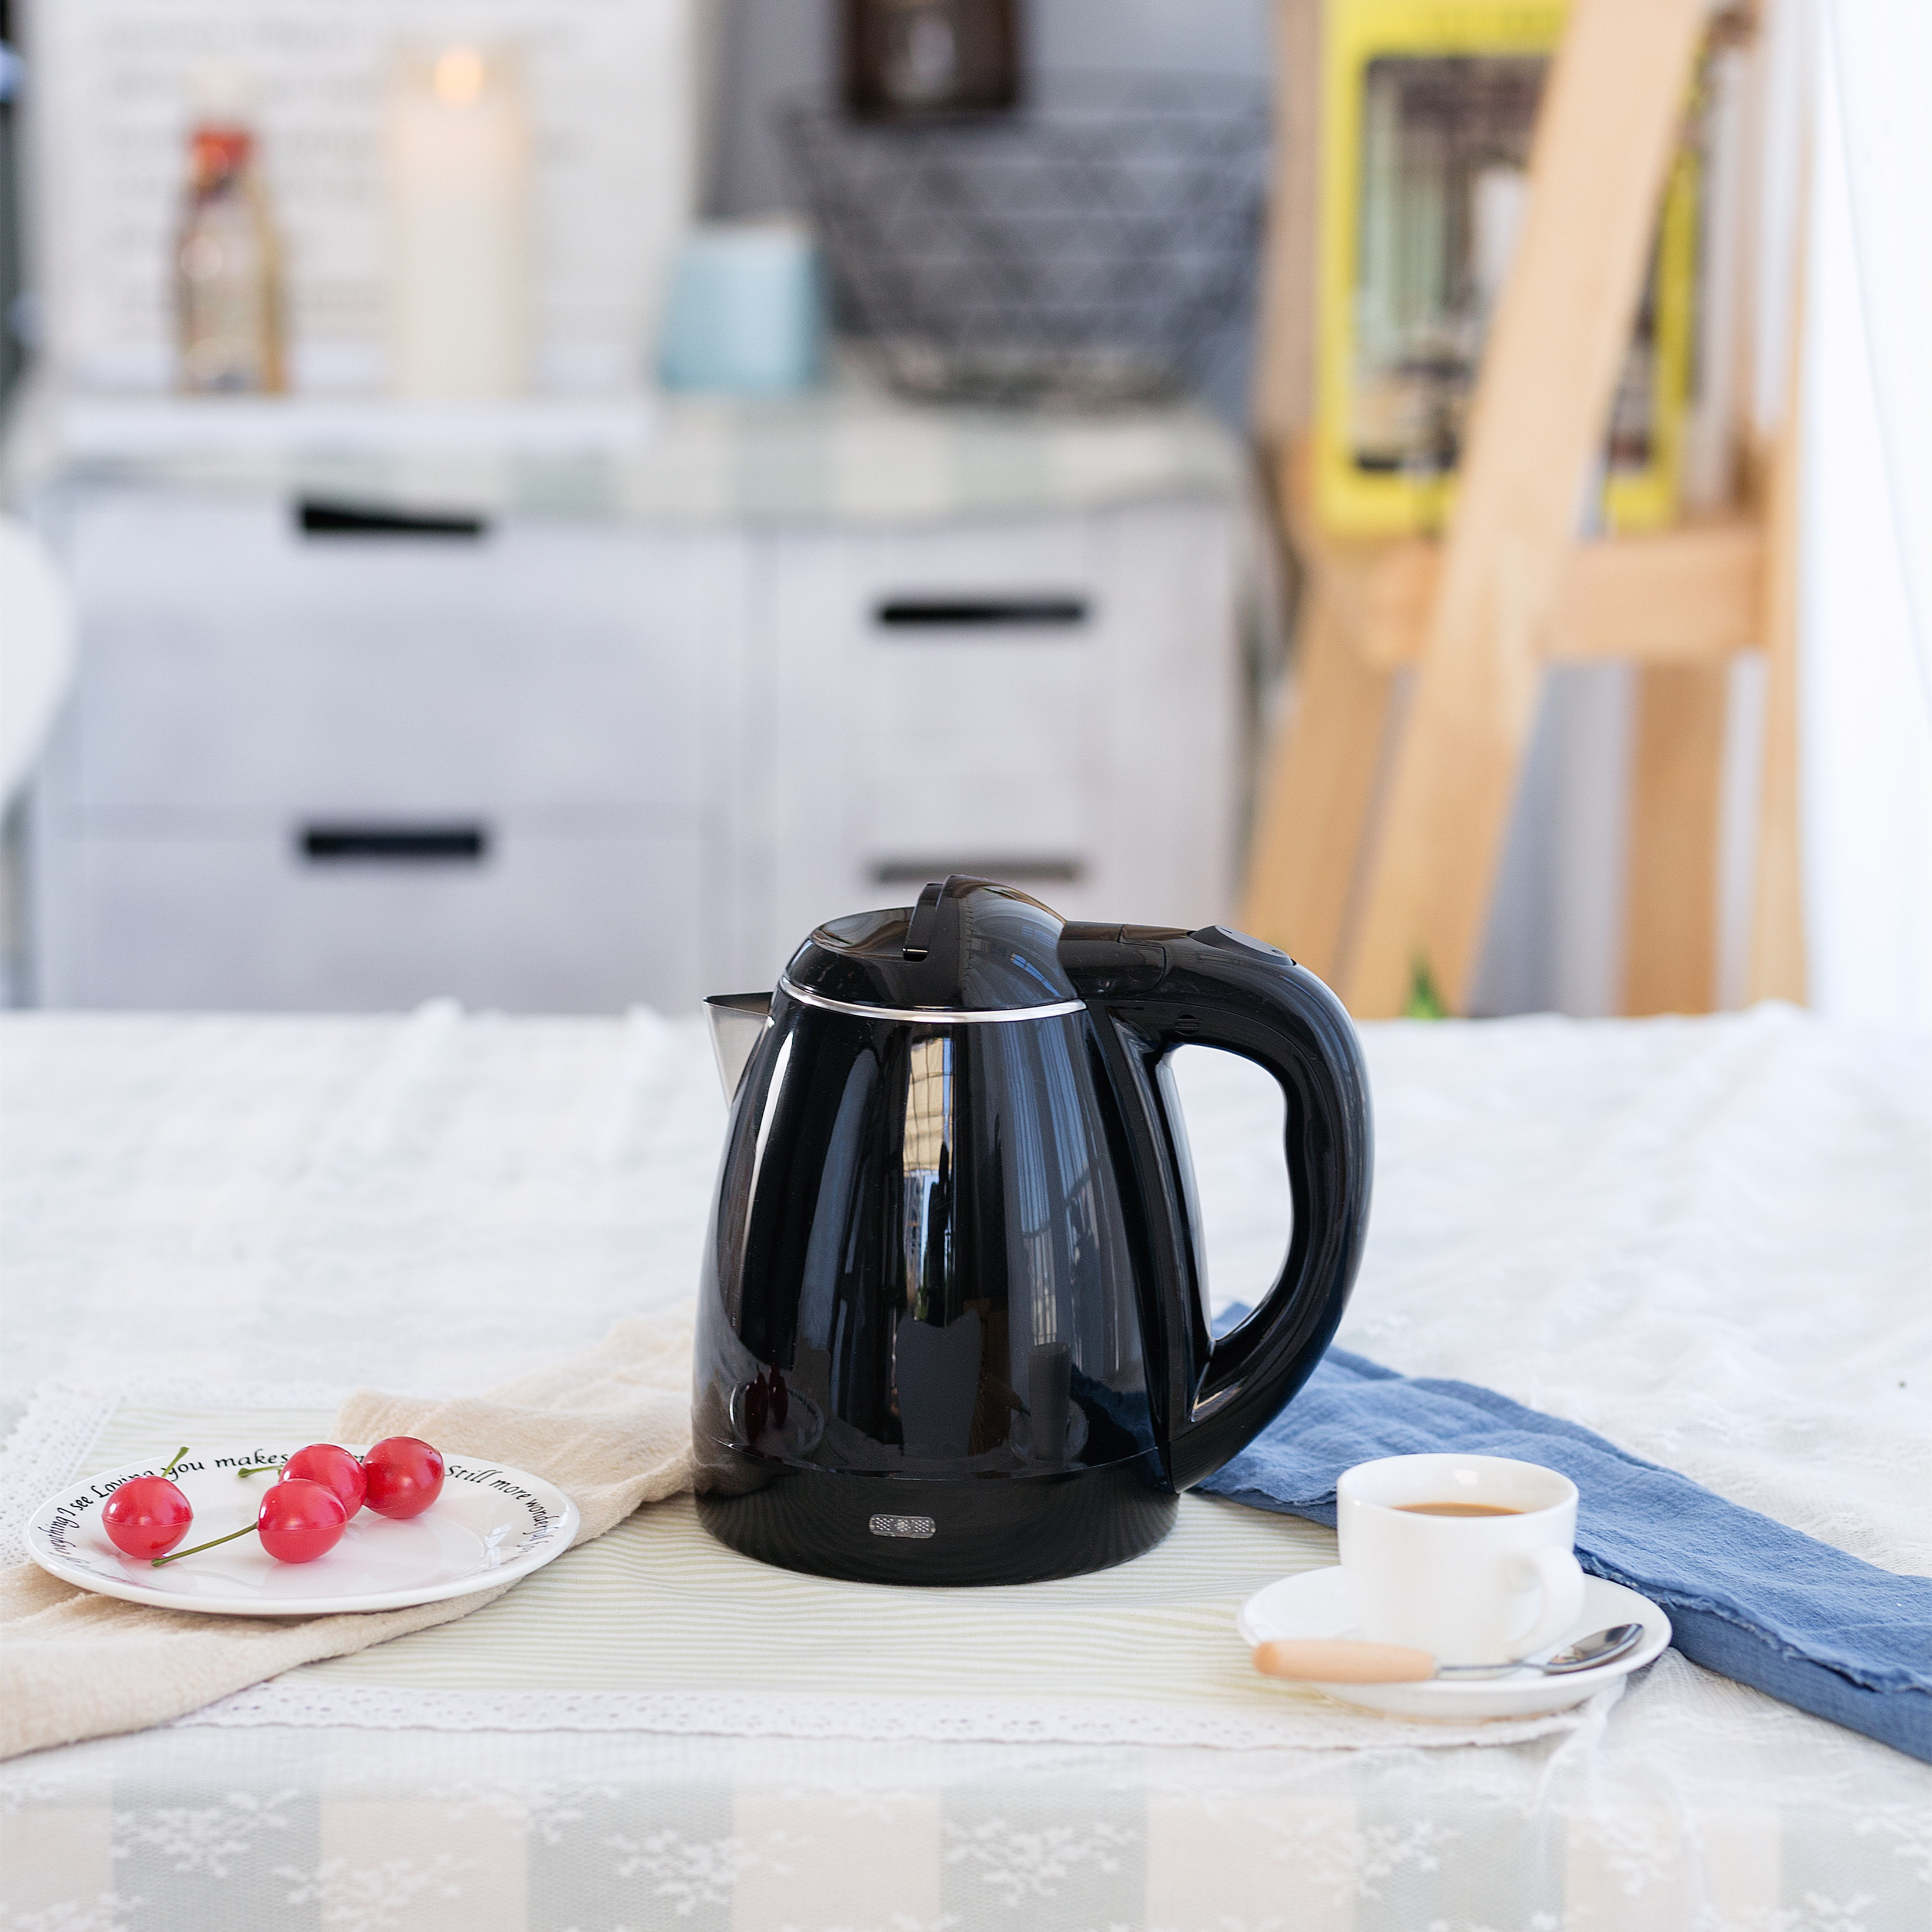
(1466, 1585)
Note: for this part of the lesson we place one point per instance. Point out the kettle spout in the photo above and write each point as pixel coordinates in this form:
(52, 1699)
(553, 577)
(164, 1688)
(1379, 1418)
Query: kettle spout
(738, 1022)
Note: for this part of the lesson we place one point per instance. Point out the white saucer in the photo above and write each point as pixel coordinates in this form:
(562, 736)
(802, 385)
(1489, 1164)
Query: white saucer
(491, 1525)
(1315, 1604)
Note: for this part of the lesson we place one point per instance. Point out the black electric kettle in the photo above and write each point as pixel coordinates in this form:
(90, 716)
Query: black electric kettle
(953, 1324)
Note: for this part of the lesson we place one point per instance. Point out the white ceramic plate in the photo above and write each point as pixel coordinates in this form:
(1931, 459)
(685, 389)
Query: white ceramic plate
(491, 1525)
(1315, 1604)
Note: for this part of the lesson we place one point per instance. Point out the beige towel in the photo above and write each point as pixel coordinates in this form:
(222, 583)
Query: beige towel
(611, 1428)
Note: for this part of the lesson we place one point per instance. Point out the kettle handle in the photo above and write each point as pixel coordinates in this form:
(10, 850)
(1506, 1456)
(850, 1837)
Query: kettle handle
(1220, 989)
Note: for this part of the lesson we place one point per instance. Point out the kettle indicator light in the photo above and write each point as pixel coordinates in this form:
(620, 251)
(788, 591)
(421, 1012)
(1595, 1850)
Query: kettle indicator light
(918, 1527)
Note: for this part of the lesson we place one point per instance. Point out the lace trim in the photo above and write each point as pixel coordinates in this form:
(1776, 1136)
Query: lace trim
(881, 1720)
(62, 1422)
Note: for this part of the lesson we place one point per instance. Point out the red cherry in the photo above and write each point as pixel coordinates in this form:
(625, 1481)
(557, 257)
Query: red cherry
(405, 1477)
(147, 1515)
(300, 1520)
(334, 1468)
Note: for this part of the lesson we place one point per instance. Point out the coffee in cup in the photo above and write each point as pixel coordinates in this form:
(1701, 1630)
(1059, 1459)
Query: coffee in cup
(1469, 1557)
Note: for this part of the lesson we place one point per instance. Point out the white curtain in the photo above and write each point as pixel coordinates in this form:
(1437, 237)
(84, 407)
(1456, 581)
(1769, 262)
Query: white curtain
(1845, 170)
(1865, 665)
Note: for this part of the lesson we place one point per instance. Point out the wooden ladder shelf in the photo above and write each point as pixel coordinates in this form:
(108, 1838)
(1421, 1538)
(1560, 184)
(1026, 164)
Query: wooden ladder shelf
(1377, 840)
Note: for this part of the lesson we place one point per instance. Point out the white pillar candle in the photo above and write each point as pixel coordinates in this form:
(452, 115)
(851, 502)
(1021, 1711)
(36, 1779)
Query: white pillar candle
(458, 141)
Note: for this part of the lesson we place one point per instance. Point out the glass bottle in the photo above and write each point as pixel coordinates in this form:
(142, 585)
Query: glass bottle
(228, 300)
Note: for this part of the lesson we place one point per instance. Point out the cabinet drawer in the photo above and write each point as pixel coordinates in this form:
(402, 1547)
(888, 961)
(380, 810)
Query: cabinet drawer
(967, 638)
(971, 695)
(1001, 803)
(1027, 580)
(230, 660)
(530, 918)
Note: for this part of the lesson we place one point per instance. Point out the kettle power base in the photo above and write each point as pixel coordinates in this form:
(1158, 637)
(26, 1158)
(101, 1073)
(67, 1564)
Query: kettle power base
(873, 1529)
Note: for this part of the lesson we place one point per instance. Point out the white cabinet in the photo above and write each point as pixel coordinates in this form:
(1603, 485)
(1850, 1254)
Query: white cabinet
(571, 766)
(236, 662)
(314, 768)
(560, 918)
(1057, 704)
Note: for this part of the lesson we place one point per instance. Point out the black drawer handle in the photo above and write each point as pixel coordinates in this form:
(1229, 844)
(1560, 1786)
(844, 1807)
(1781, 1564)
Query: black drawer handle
(320, 517)
(979, 613)
(395, 845)
(1009, 871)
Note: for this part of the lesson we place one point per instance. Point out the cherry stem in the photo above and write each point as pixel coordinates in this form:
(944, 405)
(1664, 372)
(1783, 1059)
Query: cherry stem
(175, 1458)
(258, 1469)
(249, 1531)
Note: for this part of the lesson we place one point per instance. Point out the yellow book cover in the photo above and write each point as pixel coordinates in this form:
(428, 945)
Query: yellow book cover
(1428, 108)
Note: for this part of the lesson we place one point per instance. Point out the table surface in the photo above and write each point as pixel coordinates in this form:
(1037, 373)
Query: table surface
(850, 453)
(1707, 1239)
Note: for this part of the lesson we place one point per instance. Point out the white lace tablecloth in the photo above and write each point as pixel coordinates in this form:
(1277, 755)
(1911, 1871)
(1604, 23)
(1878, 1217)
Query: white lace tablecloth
(1709, 1239)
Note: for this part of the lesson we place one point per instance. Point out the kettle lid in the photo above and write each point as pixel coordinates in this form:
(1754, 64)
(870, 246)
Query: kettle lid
(969, 946)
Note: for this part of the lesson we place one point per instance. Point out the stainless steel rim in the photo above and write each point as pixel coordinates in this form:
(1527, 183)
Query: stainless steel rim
(932, 1015)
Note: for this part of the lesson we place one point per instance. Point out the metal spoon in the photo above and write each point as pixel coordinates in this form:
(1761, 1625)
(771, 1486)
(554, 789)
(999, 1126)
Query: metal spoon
(1345, 1661)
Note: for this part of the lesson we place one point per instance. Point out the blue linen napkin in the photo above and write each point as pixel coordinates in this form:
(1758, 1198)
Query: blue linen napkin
(1747, 1597)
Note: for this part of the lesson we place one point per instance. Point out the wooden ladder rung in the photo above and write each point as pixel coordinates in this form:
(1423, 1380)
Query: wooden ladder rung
(1686, 595)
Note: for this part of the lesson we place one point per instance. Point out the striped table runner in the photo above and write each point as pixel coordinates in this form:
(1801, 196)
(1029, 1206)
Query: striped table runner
(655, 1627)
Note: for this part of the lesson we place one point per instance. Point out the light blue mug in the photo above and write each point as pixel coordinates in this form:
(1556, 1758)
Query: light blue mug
(745, 312)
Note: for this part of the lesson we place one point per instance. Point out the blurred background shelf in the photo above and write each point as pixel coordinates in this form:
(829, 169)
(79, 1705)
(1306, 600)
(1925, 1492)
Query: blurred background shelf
(849, 452)
(120, 428)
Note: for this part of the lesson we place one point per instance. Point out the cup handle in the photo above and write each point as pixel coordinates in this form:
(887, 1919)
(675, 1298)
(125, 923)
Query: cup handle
(1561, 1579)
